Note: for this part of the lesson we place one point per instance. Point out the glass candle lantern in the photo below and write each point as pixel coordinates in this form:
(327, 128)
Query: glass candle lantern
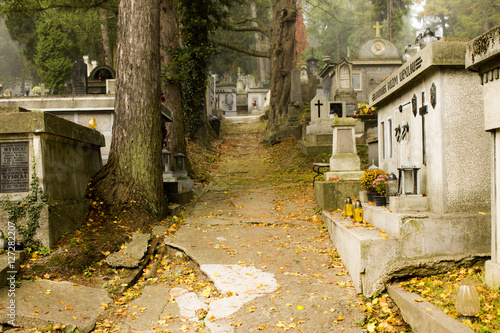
(348, 208)
(467, 304)
(392, 185)
(358, 212)
(180, 162)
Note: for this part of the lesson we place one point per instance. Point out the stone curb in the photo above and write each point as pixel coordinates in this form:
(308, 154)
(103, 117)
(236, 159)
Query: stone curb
(423, 316)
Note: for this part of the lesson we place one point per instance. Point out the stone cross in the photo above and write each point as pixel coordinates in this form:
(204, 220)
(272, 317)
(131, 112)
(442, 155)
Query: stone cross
(43, 91)
(377, 27)
(319, 104)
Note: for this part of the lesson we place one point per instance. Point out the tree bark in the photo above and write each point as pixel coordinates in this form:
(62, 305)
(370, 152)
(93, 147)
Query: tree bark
(282, 60)
(133, 175)
(105, 38)
(170, 40)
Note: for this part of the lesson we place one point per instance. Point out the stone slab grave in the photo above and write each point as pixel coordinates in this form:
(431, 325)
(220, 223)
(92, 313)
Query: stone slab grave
(64, 156)
(41, 303)
(427, 113)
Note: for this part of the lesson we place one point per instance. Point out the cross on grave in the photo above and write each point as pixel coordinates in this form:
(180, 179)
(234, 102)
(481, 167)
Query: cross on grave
(43, 91)
(377, 27)
(319, 104)
(423, 111)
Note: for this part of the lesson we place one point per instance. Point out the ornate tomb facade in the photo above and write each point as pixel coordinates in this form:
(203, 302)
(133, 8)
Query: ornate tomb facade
(431, 134)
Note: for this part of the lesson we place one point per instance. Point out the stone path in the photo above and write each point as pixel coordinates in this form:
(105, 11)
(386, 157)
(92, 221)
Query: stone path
(260, 242)
(251, 233)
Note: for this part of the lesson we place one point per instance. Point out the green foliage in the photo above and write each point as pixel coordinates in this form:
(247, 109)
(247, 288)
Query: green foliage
(198, 19)
(54, 35)
(28, 210)
(461, 18)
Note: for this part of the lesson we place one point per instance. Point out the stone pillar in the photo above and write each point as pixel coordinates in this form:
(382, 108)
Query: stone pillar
(492, 267)
(345, 162)
(483, 57)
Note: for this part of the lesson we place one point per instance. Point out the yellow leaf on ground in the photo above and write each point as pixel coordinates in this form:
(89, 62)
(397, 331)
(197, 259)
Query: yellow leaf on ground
(300, 307)
(383, 236)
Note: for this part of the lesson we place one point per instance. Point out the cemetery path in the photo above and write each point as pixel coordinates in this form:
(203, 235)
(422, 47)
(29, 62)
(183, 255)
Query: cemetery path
(256, 235)
(252, 255)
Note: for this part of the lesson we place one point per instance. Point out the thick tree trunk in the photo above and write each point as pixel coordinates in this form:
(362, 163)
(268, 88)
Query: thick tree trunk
(133, 174)
(105, 38)
(170, 40)
(283, 43)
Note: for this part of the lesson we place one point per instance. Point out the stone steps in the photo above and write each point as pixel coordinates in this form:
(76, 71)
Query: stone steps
(404, 244)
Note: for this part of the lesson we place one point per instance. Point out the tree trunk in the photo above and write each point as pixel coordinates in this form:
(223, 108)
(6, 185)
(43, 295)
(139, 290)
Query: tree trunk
(282, 60)
(170, 40)
(105, 38)
(133, 175)
(389, 20)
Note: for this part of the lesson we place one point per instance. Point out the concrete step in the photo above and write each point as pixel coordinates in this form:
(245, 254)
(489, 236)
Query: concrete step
(414, 246)
(423, 316)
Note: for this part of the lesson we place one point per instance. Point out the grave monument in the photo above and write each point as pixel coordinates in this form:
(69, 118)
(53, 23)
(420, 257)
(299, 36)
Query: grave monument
(64, 156)
(483, 57)
(428, 111)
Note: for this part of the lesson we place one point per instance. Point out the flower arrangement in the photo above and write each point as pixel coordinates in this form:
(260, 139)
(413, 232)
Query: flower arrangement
(369, 176)
(379, 184)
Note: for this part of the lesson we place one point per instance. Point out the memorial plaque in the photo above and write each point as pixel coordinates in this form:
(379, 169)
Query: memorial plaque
(14, 167)
(344, 141)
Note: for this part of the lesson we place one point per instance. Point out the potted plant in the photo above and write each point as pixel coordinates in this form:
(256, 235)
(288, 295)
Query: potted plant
(367, 180)
(379, 184)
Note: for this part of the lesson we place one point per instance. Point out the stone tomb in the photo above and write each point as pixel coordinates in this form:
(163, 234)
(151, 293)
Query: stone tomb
(483, 57)
(428, 111)
(65, 156)
(226, 96)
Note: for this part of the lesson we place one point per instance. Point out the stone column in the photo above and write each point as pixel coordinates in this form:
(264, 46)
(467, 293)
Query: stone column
(492, 267)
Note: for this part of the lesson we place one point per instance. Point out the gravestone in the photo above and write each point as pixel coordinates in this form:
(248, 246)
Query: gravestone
(96, 83)
(79, 78)
(7, 93)
(344, 162)
(226, 96)
(43, 91)
(65, 155)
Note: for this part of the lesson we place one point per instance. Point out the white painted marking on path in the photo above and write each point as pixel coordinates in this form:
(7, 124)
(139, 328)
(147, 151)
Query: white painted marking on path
(244, 282)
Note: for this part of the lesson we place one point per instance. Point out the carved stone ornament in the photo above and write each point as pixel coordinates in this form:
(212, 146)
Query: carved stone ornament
(433, 95)
(414, 105)
(397, 133)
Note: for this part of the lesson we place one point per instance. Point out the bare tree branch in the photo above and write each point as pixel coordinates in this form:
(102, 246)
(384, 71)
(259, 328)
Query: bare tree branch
(254, 53)
(259, 27)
